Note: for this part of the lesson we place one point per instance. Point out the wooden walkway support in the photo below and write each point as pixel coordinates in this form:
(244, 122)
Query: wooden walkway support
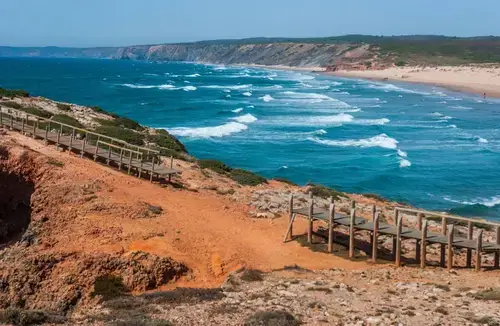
(421, 235)
(111, 150)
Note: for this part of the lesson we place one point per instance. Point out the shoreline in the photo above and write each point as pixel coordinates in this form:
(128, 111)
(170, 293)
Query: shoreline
(478, 80)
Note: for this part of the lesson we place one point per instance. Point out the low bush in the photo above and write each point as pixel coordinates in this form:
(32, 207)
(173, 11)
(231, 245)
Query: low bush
(184, 296)
(271, 318)
(400, 63)
(214, 165)
(247, 178)
(109, 287)
(283, 180)
(14, 316)
(121, 122)
(12, 104)
(492, 294)
(325, 192)
(66, 119)
(98, 109)
(36, 111)
(13, 93)
(375, 196)
(252, 275)
(63, 107)
(126, 135)
(166, 140)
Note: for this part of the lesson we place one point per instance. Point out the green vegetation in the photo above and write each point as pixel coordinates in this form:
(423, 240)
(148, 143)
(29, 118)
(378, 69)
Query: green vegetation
(11, 104)
(66, 119)
(492, 294)
(252, 275)
(59, 164)
(214, 165)
(126, 135)
(400, 63)
(36, 111)
(376, 197)
(15, 316)
(13, 93)
(283, 180)
(121, 122)
(63, 107)
(164, 139)
(98, 109)
(325, 192)
(109, 287)
(272, 318)
(247, 178)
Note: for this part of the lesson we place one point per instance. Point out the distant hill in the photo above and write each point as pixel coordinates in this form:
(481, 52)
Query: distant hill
(347, 51)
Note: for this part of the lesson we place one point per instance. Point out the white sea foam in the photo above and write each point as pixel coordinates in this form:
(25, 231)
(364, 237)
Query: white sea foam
(207, 132)
(247, 118)
(461, 107)
(227, 91)
(146, 74)
(139, 86)
(488, 202)
(237, 110)
(320, 132)
(402, 153)
(189, 88)
(452, 126)
(371, 122)
(393, 88)
(381, 140)
(266, 98)
(193, 75)
(232, 87)
(247, 94)
(250, 106)
(404, 163)
(481, 140)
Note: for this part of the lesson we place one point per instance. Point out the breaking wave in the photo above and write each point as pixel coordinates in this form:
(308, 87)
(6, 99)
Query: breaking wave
(247, 118)
(381, 140)
(247, 94)
(237, 110)
(228, 87)
(266, 98)
(189, 88)
(207, 132)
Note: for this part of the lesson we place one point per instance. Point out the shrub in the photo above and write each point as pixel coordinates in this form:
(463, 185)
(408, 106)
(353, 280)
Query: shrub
(13, 93)
(126, 135)
(11, 104)
(63, 107)
(121, 122)
(184, 296)
(272, 318)
(29, 317)
(66, 119)
(97, 109)
(168, 141)
(109, 287)
(489, 294)
(283, 180)
(36, 111)
(247, 178)
(214, 165)
(55, 163)
(325, 192)
(252, 275)
(400, 63)
(375, 196)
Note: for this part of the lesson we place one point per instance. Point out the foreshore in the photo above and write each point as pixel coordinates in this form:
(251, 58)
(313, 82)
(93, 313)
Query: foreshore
(470, 79)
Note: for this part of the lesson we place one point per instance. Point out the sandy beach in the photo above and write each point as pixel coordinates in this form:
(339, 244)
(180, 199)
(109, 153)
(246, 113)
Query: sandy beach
(478, 80)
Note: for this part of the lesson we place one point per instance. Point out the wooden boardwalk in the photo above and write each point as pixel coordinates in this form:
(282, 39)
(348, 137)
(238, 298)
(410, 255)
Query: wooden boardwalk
(447, 238)
(131, 158)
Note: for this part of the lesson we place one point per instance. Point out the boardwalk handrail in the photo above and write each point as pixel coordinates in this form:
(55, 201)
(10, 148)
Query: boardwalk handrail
(446, 216)
(82, 130)
(118, 147)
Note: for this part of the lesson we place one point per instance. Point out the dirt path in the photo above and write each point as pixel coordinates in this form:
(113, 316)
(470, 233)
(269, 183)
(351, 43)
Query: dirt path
(210, 233)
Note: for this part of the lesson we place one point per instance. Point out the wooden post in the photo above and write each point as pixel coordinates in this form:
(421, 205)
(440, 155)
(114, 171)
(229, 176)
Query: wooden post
(96, 150)
(375, 237)
(84, 140)
(49, 126)
(121, 159)
(310, 222)
(290, 216)
(450, 246)
(58, 138)
(394, 238)
(46, 134)
(351, 233)
(140, 169)
(130, 162)
(398, 240)
(374, 211)
(479, 248)
(22, 124)
(470, 232)
(353, 204)
(423, 245)
(420, 217)
(11, 122)
(497, 254)
(34, 129)
(1, 117)
(330, 226)
(443, 247)
(109, 155)
(71, 139)
(171, 167)
(289, 230)
(152, 170)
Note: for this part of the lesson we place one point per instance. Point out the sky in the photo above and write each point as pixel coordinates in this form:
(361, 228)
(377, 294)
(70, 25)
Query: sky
(85, 23)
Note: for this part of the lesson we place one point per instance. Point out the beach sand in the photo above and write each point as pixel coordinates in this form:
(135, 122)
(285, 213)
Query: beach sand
(472, 79)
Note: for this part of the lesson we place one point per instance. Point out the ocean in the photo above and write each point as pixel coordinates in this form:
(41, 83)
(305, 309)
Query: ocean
(423, 145)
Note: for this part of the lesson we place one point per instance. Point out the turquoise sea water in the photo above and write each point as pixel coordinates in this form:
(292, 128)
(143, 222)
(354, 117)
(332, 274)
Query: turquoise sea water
(423, 145)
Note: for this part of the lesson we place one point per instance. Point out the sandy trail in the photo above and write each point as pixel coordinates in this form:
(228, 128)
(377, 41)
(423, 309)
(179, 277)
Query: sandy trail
(211, 234)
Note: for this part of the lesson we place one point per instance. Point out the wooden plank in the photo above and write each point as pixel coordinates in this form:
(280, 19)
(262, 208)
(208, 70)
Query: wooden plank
(310, 222)
(479, 248)
(470, 232)
(290, 216)
(497, 254)
(443, 247)
(289, 231)
(398, 241)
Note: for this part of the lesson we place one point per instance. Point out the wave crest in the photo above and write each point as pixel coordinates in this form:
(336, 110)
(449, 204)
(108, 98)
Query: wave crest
(207, 132)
